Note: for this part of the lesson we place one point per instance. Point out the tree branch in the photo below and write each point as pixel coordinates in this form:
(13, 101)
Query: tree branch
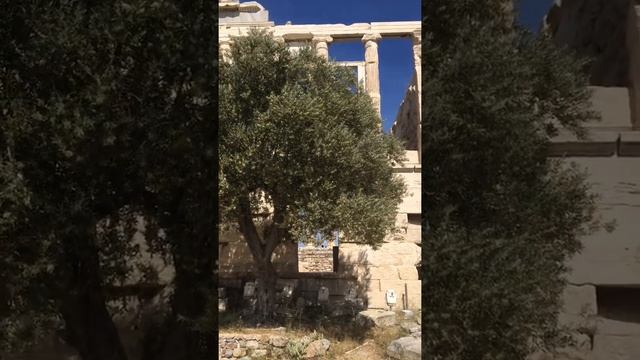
(248, 229)
(276, 232)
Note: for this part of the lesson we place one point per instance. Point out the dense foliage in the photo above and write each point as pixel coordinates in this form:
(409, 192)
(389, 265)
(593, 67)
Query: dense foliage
(297, 143)
(503, 217)
(106, 116)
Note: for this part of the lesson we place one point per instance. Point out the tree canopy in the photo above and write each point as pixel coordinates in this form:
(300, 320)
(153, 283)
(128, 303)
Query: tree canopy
(503, 218)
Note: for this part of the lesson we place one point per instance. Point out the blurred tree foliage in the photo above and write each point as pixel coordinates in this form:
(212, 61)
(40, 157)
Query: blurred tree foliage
(503, 218)
(106, 117)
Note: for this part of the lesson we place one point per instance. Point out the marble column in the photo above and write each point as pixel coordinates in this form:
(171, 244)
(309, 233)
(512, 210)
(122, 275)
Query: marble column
(372, 77)
(322, 45)
(416, 38)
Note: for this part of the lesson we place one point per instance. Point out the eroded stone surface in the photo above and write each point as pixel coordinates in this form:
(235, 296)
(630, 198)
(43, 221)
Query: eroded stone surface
(405, 348)
(379, 318)
(317, 349)
(411, 326)
(278, 341)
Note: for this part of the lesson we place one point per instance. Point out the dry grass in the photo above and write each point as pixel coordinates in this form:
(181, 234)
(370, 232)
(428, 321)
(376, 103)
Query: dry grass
(338, 348)
(382, 337)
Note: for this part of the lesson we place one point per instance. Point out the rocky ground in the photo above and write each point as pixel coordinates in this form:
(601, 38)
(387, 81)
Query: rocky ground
(371, 335)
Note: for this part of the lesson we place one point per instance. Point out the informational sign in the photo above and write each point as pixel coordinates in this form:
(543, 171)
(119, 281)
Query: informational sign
(222, 305)
(323, 294)
(391, 297)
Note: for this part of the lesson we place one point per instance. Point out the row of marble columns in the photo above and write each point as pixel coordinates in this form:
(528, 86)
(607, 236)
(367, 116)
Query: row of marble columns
(372, 72)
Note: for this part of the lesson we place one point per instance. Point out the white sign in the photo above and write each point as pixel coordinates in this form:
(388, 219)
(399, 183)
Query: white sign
(391, 297)
(323, 294)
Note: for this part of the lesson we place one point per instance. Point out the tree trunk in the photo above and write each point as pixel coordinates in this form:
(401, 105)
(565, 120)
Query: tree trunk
(266, 289)
(88, 324)
(261, 251)
(180, 337)
(90, 328)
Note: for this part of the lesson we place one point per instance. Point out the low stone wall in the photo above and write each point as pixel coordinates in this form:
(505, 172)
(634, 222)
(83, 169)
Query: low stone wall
(315, 260)
(263, 346)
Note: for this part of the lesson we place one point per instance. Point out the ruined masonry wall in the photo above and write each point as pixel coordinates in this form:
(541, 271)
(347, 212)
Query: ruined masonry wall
(315, 260)
(405, 126)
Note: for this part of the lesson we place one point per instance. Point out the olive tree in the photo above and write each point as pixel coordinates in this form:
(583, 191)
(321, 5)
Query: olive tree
(298, 144)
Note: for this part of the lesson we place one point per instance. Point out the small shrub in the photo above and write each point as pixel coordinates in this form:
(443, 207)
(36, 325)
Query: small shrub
(295, 349)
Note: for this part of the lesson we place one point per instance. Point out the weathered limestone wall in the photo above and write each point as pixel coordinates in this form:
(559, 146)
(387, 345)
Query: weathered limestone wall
(608, 31)
(609, 260)
(235, 258)
(391, 266)
(406, 125)
(612, 258)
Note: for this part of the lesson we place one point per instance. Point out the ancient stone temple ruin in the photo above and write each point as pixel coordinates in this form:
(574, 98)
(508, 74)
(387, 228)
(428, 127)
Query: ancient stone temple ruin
(347, 265)
(602, 302)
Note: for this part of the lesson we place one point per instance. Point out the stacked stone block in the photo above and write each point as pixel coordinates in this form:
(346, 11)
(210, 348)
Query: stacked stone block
(313, 259)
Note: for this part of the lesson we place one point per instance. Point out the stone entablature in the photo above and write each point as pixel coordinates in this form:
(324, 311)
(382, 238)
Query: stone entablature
(320, 36)
(249, 13)
(393, 29)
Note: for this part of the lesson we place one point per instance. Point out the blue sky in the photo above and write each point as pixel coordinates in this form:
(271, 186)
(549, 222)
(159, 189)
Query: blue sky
(396, 59)
(531, 12)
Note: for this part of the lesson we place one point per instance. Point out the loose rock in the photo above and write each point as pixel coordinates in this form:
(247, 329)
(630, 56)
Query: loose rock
(317, 348)
(381, 318)
(408, 314)
(410, 326)
(278, 341)
(239, 352)
(259, 353)
(405, 348)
